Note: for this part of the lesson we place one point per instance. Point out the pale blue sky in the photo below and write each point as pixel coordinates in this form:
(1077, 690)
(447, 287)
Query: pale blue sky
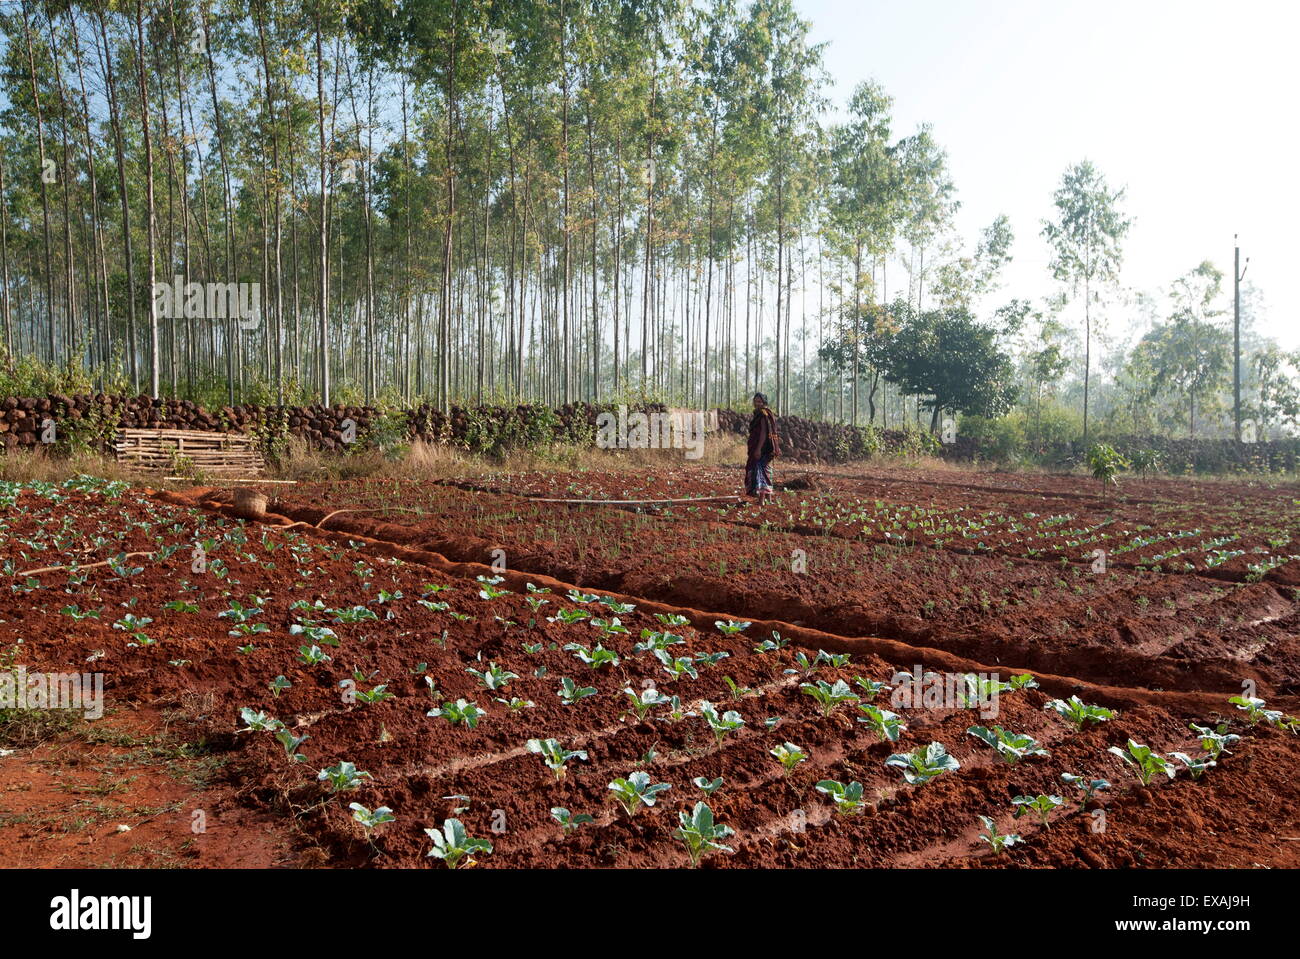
(1190, 105)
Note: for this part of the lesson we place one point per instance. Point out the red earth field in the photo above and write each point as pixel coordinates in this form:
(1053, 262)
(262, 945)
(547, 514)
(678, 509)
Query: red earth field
(346, 623)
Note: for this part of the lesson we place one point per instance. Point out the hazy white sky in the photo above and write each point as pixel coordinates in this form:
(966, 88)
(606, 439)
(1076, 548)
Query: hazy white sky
(1190, 105)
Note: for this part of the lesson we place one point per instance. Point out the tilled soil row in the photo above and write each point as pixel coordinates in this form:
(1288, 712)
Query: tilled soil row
(1115, 638)
(782, 819)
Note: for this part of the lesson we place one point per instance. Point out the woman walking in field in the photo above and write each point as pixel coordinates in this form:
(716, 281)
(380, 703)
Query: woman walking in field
(764, 446)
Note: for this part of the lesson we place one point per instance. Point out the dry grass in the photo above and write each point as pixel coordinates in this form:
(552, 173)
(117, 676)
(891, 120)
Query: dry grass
(421, 461)
(719, 449)
(26, 466)
(435, 461)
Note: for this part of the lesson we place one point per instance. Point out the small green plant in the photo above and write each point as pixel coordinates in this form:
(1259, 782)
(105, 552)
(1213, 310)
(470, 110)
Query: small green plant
(1217, 740)
(677, 667)
(652, 640)
(313, 655)
(570, 692)
(642, 703)
(870, 688)
(700, 834)
(1196, 766)
(554, 755)
(452, 843)
(1255, 710)
(1145, 761)
(595, 658)
(1041, 805)
(636, 791)
(460, 712)
(789, 755)
(1010, 747)
(731, 627)
(829, 696)
(279, 685)
(720, 724)
(1089, 787)
(1105, 464)
(494, 677)
(996, 840)
(515, 704)
(258, 721)
(368, 819)
(924, 763)
(568, 821)
(343, 776)
(706, 785)
(848, 799)
(885, 724)
(1079, 713)
(737, 691)
(290, 742)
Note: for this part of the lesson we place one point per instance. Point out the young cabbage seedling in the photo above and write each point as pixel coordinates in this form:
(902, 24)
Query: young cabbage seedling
(924, 763)
(489, 590)
(1010, 747)
(829, 696)
(870, 687)
(368, 819)
(642, 703)
(1089, 787)
(290, 742)
(706, 785)
(1144, 760)
(1197, 766)
(1040, 805)
(462, 712)
(596, 658)
(636, 791)
(677, 667)
(494, 677)
(1217, 740)
(700, 834)
(710, 659)
(720, 724)
(610, 627)
(568, 821)
(676, 711)
(343, 776)
(731, 628)
(452, 843)
(848, 799)
(789, 755)
(888, 726)
(672, 619)
(652, 640)
(995, 839)
(570, 692)
(1254, 709)
(258, 721)
(555, 755)
(515, 704)
(1080, 713)
(313, 655)
(569, 616)
(737, 691)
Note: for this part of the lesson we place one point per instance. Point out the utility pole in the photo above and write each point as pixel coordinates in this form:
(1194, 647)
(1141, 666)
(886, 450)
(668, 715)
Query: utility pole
(1238, 273)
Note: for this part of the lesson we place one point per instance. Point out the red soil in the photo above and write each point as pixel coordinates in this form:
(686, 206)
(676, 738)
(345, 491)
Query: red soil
(1170, 660)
